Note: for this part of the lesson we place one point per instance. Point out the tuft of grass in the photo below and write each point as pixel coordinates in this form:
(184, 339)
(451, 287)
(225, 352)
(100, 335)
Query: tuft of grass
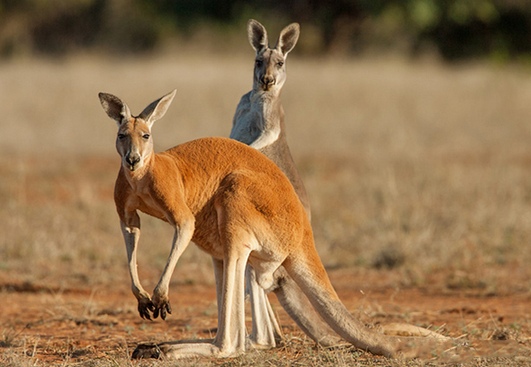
(9, 339)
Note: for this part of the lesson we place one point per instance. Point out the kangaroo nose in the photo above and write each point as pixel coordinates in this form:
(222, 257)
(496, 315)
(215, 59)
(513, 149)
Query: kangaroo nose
(267, 81)
(132, 160)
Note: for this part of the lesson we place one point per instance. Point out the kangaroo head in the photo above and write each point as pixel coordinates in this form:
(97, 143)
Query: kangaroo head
(133, 141)
(269, 67)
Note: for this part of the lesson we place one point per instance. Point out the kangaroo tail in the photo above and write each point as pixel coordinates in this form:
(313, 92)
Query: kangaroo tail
(309, 273)
(299, 308)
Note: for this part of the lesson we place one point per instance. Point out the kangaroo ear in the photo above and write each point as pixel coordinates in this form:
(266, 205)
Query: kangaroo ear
(156, 110)
(288, 38)
(115, 108)
(257, 35)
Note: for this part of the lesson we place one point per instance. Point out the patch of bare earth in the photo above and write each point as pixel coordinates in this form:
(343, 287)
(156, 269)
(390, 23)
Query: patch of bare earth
(47, 325)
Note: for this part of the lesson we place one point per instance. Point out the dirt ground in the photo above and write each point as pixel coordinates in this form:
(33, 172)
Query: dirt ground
(76, 326)
(420, 182)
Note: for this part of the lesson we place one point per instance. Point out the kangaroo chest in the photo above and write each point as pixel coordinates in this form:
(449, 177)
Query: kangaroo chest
(258, 123)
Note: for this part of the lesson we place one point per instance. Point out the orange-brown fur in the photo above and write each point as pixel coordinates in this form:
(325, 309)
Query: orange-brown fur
(236, 205)
(169, 175)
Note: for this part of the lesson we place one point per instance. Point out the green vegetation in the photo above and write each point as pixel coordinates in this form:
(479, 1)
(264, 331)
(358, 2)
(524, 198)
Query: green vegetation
(453, 29)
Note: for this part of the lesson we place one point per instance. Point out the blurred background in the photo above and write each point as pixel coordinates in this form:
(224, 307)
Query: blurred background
(453, 30)
(409, 121)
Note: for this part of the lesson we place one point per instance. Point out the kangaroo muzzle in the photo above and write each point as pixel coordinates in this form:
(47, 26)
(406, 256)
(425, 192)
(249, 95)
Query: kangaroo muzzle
(131, 161)
(267, 82)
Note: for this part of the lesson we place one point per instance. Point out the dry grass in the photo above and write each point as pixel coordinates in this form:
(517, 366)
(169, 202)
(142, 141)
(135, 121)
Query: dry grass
(416, 168)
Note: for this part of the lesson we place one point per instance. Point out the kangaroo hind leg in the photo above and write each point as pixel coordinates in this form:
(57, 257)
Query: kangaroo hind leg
(265, 331)
(230, 339)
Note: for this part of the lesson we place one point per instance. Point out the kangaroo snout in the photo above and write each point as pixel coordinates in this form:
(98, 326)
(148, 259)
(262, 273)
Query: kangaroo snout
(267, 81)
(132, 160)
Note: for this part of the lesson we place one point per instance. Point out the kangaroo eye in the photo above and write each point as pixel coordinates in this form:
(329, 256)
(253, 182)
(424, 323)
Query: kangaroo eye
(258, 63)
(145, 136)
(280, 64)
(121, 136)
